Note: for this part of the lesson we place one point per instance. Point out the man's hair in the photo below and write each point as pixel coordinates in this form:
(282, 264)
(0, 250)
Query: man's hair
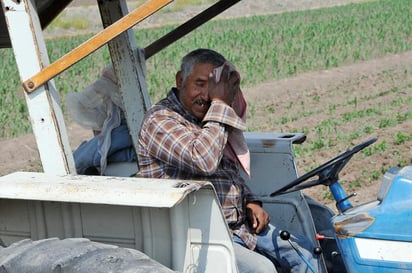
(199, 56)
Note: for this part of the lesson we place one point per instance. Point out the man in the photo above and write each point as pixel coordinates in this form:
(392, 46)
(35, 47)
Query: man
(194, 134)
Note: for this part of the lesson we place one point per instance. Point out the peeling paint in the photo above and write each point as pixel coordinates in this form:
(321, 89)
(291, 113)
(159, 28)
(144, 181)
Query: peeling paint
(353, 224)
(267, 143)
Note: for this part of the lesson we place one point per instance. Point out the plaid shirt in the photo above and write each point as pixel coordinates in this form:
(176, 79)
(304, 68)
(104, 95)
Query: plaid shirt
(174, 144)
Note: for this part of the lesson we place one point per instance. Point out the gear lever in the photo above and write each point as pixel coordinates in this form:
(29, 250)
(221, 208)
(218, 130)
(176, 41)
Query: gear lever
(285, 235)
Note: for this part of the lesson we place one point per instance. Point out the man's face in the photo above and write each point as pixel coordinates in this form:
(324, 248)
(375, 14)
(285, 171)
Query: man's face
(194, 94)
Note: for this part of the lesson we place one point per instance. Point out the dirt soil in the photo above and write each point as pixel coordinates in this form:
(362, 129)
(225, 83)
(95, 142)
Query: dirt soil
(287, 96)
(335, 87)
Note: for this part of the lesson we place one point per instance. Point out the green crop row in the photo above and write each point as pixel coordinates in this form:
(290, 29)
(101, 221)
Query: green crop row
(262, 47)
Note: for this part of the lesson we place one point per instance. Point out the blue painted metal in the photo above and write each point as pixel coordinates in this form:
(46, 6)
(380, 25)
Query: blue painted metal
(340, 196)
(387, 221)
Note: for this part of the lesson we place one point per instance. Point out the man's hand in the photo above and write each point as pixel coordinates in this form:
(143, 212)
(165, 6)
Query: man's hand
(226, 88)
(257, 216)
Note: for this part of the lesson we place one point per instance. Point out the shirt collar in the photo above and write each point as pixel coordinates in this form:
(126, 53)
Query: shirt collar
(177, 106)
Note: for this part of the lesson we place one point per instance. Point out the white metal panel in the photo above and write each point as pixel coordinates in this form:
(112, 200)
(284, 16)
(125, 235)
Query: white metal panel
(43, 105)
(118, 225)
(194, 229)
(384, 250)
(266, 142)
(207, 224)
(16, 227)
(129, 66)
(272, 167)
(97, 189)
(272, 160)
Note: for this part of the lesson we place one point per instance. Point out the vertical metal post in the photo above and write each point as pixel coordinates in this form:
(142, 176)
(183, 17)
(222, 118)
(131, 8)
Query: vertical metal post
(129, 67)
(43, 105)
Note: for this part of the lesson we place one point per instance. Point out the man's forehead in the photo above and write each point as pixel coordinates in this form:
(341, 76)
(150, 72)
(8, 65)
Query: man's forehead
(202, 70)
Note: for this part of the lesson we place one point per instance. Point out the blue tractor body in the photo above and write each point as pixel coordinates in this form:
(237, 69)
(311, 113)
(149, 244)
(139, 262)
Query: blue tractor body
(377, 236)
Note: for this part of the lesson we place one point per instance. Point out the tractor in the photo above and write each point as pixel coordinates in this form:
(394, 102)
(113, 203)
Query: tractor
(59, 221)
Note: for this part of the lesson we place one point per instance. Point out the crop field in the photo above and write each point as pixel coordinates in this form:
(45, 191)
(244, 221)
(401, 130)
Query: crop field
(275, 47)
(263, 47)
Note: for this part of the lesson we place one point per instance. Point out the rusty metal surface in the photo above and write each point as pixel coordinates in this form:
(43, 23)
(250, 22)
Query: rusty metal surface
(353, 224)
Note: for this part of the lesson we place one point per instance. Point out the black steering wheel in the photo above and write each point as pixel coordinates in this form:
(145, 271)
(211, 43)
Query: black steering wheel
(328, 173)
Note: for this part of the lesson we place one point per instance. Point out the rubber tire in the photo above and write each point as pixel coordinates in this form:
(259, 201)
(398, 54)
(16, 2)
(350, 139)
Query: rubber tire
(74, 255)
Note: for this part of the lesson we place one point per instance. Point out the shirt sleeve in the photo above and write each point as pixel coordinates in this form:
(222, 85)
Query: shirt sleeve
(187, 146)
(249, 196)
(222, 113)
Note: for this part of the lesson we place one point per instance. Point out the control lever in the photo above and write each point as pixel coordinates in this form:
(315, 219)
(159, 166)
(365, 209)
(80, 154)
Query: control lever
(285, 235)
(346, 198)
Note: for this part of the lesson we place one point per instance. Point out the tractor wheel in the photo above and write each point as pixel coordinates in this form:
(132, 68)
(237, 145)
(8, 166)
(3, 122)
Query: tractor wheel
(74, 255)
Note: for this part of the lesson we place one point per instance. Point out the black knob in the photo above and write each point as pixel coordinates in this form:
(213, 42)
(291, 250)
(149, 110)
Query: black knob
(284, 235)
(317, 251)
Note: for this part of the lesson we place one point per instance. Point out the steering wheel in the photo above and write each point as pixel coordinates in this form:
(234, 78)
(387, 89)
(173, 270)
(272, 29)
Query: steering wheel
(328, 173)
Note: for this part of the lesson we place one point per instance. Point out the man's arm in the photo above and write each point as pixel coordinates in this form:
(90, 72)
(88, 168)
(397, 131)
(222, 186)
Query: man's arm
(168, 137)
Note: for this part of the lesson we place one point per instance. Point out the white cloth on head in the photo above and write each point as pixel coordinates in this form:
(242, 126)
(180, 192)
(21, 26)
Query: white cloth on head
(236, 148)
